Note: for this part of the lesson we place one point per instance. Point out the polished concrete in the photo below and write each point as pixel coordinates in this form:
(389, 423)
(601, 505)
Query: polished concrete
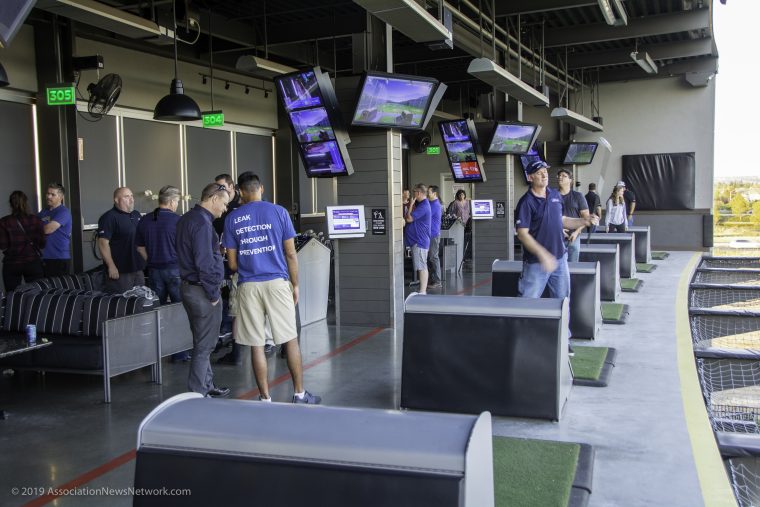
(59, 432)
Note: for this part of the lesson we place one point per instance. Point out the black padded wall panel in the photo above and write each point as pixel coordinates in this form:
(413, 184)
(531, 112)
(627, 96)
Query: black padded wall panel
(661, 181)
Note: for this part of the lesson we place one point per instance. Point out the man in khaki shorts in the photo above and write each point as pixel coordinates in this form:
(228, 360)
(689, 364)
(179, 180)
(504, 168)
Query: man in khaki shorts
(259, 240)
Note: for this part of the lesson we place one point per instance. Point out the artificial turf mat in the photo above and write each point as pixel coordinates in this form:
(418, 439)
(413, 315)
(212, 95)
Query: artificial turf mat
(592, 366)
(630, 284)
(614, 313)
(660, 256)
(645, 268)
(533, 472)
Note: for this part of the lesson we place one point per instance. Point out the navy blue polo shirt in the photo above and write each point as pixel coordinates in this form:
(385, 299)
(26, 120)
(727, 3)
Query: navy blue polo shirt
(543, 219)
(157, 232)
(120, 228)
(200, 261)
(435, 218)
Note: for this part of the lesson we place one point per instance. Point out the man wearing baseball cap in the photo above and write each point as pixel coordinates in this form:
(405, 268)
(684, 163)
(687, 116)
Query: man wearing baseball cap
(540, 220)
(630, 201)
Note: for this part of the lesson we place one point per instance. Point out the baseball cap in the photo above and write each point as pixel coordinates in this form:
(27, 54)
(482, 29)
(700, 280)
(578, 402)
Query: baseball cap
(536, 165)
(621, 183)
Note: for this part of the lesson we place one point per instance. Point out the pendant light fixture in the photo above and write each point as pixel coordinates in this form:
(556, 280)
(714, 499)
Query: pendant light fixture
(176, 106)
(3, 77)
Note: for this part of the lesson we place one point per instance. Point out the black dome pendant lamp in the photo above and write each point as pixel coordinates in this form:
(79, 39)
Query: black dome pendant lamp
(176, 106)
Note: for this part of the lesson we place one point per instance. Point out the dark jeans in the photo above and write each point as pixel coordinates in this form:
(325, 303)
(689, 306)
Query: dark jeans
(615, 227)
(434, 263)
(204, 323)
(57, 267)
(165, 283)
(122, 284)
(14, 273)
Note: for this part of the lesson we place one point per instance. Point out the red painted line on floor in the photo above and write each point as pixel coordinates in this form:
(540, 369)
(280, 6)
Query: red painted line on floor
(84, 478)
(470, 289)
(130, 455)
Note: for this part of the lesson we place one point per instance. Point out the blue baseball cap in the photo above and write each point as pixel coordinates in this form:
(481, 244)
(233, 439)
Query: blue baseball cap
(536, 165)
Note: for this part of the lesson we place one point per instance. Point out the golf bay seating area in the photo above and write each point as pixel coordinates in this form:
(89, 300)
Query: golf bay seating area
(724, 315)
(91, 332)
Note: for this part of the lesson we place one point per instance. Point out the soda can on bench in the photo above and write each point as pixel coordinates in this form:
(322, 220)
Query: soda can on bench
(31, 334)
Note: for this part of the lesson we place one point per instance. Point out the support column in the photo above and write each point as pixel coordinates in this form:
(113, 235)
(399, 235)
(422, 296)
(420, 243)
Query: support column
(494, 239)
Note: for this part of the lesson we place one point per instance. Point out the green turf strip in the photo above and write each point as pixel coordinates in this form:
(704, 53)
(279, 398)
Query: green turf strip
(612, 311)
(659, 256)
(630, 284)
(533, 472)
(645, 268)
(588, 362)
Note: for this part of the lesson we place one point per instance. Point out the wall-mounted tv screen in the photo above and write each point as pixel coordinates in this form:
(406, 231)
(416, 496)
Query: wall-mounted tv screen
(482, 209)
(460, 141)
(323, 159)
(580, 153)
(394, 100)
(312, 125)
(529, 157)
(513, 138)
(346, 221)
(299, 90)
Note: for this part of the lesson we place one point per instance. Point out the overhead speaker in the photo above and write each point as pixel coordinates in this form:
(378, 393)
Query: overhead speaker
(420, 141)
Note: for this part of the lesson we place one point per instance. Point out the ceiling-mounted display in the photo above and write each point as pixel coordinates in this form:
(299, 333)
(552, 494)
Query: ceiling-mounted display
(395, 100)
(309, 99)
(513, 138)
(460, 140)
(580, 153)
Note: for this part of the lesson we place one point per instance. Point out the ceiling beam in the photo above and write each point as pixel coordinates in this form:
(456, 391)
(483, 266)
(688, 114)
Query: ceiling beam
(704, 65)
(317, 28)
(664, 51)
(685, 21)
(510, 8)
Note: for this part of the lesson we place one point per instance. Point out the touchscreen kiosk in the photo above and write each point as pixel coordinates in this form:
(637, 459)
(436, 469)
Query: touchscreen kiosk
(482, 209)
(346, 222)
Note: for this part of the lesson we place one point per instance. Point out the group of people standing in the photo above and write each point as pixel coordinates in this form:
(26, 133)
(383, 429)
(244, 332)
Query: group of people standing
(35, 245)
(422, 233)
(184, 259)
(619, 208)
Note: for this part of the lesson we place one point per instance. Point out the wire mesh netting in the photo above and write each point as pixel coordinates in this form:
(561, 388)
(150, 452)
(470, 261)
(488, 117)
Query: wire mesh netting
(744, 475)
(730, 262)
(731, 389)
(725, 332)
(732, 277)
(736, 299)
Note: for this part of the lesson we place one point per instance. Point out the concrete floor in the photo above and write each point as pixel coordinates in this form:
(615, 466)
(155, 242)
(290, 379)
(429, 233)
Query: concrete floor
(59, 432)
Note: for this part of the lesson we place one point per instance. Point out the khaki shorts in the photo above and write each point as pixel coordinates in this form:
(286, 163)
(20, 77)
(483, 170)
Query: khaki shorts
(256, 301)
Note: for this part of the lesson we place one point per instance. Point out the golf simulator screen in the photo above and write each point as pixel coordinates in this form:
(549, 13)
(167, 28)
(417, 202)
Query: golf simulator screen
(513, 138)
(579, 153)
(391, 100)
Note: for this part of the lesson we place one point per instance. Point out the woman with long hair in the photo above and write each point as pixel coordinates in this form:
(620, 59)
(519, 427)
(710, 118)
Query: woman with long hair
(616, 213)
(22, 239)
(460, 206)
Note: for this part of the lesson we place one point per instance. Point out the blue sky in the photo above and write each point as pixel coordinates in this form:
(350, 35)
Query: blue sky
(736, 131)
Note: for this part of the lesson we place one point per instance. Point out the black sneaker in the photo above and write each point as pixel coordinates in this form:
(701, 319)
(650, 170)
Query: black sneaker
(308, 399)
(268, 349)
(218, 392)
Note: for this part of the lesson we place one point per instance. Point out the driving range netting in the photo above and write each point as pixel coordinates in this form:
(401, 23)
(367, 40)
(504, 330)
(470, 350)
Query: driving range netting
(744, 476)
(732, 300)
(728, 277)
(730, 262)
(725, 332)
(731, 389)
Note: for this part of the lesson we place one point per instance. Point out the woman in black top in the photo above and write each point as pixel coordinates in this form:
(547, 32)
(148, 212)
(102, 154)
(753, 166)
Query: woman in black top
(22, 239)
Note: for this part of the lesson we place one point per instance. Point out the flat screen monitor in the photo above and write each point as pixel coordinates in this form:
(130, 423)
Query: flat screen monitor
(12, 16)
(299, 90)
(482, 209)
(460, 141)
(513, 138)
(394, 100)
(579, 153)
(323, 159)
(529, 157)
(346, 221)
(312, 125)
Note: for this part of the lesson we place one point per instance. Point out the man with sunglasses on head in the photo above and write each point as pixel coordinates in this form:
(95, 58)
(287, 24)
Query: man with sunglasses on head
(202, 271)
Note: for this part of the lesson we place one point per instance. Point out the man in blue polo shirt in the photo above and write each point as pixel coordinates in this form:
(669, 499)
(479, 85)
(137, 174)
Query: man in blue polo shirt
(156, 233)
(417, 233)
(540, 220)
(435, 237)
(260, 247)
(56, 220)
(116, 240)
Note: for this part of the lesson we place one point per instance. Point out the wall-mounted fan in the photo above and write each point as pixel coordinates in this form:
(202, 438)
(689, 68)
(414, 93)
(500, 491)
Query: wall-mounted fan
(103, 95)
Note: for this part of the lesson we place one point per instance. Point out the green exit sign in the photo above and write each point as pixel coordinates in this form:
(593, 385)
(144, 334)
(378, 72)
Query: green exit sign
(61, 95)
(433, 150)
(213, 119)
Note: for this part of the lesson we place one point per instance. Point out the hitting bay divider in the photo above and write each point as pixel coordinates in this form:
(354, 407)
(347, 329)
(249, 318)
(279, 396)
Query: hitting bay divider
(328, 455)
(643, 250)
(470, 354)
(585, 303)
(626, 241)
(608, 257)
